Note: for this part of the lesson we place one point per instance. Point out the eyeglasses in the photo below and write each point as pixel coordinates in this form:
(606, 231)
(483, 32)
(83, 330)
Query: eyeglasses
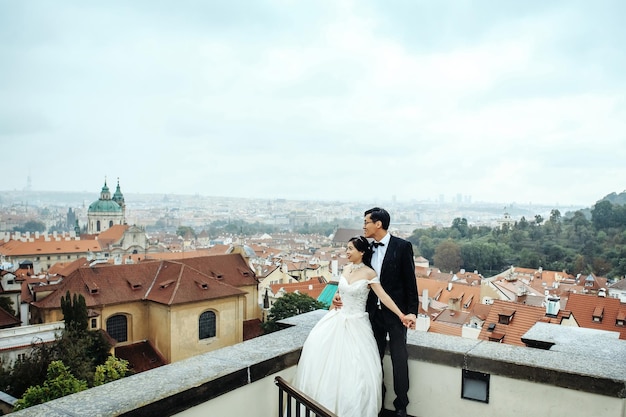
(365, 223)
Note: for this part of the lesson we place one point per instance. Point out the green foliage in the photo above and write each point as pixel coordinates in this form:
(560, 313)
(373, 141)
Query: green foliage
(448, 256)
(114, 368)
(80, 350)
(7, 304)
(74, 312)
(31, 370)
(184, 230)
(59, 383)
(31, 226)
(243, 228)
(479, 256)
(577, 243)
(289, 305)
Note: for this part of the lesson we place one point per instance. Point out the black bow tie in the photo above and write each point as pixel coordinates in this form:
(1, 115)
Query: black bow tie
(377, 244)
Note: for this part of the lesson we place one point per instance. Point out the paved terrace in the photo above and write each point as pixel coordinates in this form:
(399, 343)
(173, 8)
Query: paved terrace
(577, 380)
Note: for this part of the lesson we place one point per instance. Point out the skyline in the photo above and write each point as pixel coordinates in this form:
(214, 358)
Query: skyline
(277, 99)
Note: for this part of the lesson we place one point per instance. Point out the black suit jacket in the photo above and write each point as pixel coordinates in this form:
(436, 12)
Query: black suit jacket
(397, 277)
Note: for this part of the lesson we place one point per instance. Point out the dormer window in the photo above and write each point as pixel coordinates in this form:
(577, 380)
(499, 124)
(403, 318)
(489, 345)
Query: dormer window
(621, 319)
(135, 285)
(203, 285)
(167, 283)
(496, 337)
(598, 313)
(92, 288)
(506, 316)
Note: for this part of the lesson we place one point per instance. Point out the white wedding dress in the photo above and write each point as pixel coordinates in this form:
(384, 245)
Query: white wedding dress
(340, 366)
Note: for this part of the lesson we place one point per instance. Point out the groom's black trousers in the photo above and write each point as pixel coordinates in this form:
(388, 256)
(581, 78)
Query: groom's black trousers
(385, 322)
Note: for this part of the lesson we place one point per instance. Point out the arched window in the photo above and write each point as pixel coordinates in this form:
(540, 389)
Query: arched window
(98, 226)
(207, 325)
(110, 223)
(117, 327)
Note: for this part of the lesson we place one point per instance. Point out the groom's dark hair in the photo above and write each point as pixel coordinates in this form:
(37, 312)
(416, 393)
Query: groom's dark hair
(377, 213)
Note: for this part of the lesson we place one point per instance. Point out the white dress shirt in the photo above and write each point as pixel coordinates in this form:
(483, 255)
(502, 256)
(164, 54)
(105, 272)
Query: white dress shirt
(379, 254)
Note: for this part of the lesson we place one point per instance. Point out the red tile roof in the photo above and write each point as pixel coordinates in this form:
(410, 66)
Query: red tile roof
(165, 282)
(8, 320)
(312, 287)
(520, 319)
(445, 328)
(65, 268)
(52, 247)
(585, 306)
(232, 268)
(251, 329)
(141, 356)
(170, 255)
(465, 296)
(112, 235)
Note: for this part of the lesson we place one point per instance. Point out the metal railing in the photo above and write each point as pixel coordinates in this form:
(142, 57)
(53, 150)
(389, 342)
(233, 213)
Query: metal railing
(302, 405)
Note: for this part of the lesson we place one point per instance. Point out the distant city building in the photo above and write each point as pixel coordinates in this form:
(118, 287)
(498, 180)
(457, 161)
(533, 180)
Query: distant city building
(107, 211)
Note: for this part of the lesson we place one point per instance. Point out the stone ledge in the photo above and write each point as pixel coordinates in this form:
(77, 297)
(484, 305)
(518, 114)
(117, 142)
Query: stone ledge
(173, 388)
(573, 368)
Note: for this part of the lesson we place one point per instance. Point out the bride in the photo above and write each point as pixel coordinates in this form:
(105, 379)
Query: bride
(340, 365)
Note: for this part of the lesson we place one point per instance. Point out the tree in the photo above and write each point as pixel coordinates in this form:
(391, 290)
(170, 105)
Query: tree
(448, 256)
(31, 226)
(79, 348)
(59, 383)
(289, 305)
(74, 312)
(460, 224)
(522, 224)
(530, 259)
(555, 222)
(7, 304)
(602, 215)
(82, 352)
(30, 370)
(114, 368)
(182, 231)
(426, 247)
(482, 257)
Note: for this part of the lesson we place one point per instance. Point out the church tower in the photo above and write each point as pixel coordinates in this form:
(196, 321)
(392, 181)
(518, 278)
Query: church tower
(106, 211)
(118, 197)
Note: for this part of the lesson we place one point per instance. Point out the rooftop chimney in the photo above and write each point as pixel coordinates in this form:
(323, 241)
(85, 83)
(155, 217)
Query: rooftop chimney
(553, 305)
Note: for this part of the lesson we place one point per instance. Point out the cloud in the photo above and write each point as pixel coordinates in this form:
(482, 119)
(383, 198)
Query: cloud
(278, 98)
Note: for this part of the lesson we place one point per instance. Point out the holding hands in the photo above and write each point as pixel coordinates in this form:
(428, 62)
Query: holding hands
(336, 302)
(409, 321)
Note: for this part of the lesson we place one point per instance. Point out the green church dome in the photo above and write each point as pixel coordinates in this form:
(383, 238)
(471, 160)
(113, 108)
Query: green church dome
(107, 206)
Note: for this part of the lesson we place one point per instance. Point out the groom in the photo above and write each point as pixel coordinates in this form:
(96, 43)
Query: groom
(393, 262)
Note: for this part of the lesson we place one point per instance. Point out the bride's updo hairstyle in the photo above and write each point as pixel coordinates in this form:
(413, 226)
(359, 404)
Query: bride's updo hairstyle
(363, 245)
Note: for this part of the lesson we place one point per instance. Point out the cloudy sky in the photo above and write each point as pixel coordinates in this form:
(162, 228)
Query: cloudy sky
(503, 101)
